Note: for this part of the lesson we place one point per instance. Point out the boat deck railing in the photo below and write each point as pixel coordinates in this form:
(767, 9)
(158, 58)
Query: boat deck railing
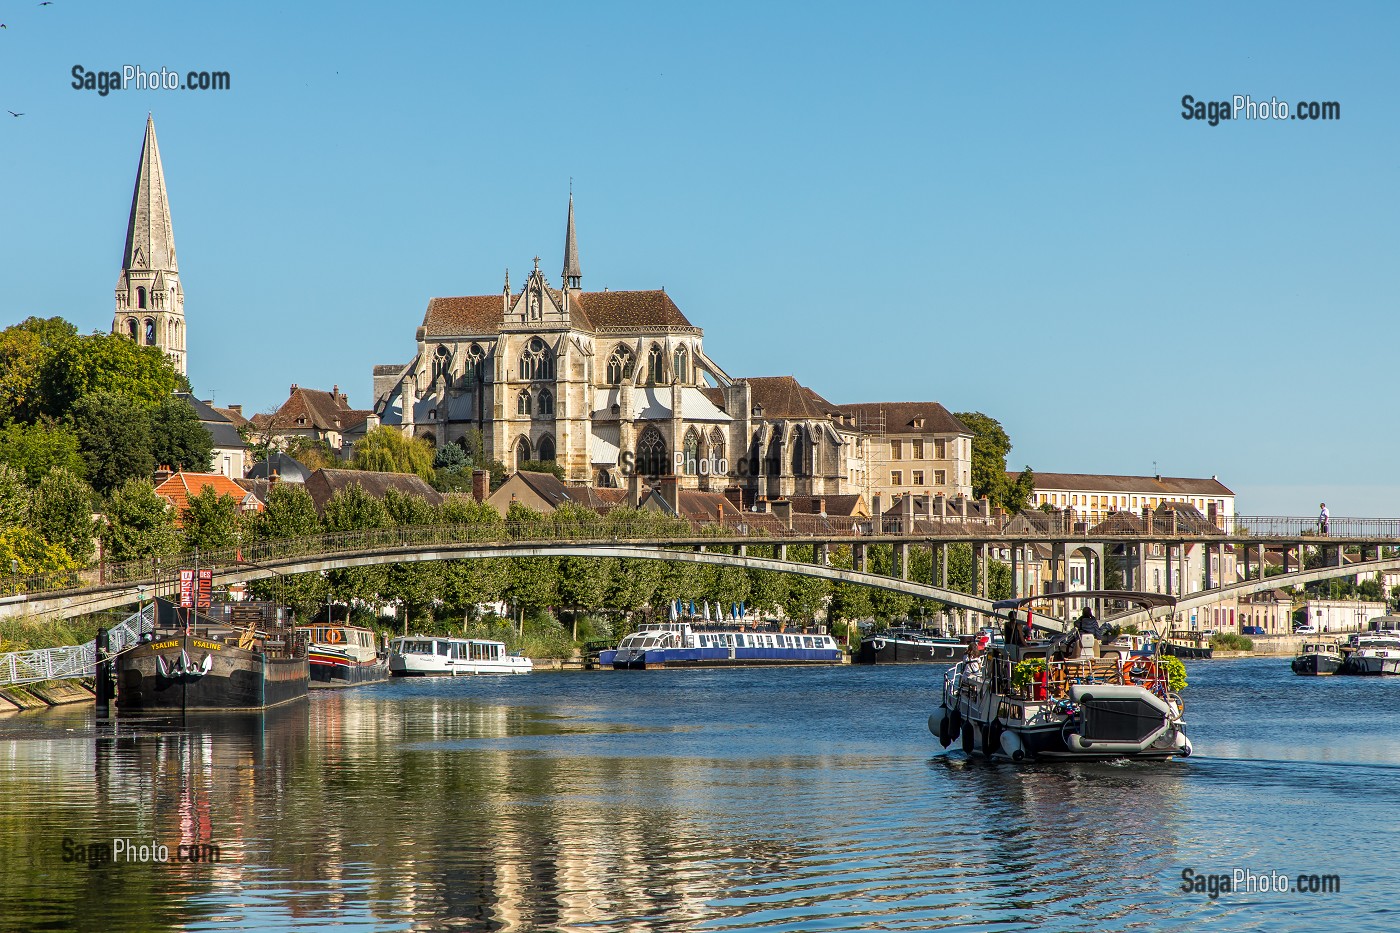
(1052, 680)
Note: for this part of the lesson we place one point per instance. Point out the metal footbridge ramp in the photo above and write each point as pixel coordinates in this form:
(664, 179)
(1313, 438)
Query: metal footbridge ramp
(72, 662)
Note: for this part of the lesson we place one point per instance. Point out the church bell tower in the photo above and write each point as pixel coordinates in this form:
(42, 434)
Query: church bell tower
(150, 302)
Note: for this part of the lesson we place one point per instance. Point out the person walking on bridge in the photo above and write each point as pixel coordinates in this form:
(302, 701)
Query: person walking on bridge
(1323, 520)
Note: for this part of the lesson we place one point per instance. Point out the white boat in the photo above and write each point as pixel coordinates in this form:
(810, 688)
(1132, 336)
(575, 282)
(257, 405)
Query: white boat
(1054, 691)
(428, 655)
(1374, 653)
(342, 655)
(678, 644)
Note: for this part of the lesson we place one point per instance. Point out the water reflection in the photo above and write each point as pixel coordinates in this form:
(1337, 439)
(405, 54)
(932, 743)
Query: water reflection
(759, 800)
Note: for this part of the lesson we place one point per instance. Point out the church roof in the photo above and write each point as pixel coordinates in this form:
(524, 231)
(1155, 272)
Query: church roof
(906, 418)
(150, 239)
(571, 266)
(469, 315)
(783, 397)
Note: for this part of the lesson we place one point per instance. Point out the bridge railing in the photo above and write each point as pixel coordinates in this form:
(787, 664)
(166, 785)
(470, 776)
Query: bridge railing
(73, 661)
(1294, 527)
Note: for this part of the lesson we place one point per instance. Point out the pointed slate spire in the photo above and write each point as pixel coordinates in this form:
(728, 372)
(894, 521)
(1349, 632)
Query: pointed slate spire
(572, 273)
(150, 239)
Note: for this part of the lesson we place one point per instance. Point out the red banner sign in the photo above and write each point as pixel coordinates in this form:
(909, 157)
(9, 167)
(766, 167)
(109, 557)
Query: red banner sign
(206, 589)
(187, 588)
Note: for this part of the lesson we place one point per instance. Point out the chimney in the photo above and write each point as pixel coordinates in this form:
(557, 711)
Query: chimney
(1147, 519)
(1213, 513)
(163, 473)
(236, 409)
(986, 509)
(782, 510)
(293, 389)
(906, 514)
(821, 506)
(634, 491)
(962, 507)
(875, 511)
(274, 478)
(670, 491)
(481, 485)
(942, 508)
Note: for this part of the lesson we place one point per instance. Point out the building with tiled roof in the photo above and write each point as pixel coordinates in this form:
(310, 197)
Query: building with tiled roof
(323, 416)
(323, 484)
(914, 448)
(1094, 496)
(230, 453)
(177, 488)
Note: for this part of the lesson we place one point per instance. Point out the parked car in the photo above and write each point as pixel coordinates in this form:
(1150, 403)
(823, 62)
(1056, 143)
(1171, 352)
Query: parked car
(1305, 630)
(1252, 630)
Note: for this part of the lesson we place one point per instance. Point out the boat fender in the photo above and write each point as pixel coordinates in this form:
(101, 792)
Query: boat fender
(991, 737)
(938, 724)
(1183, 743)
(1011, 746)
(954, 721)
(969, 740)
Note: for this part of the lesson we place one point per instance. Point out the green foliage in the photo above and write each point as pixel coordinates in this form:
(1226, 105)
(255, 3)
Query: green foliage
(990, 445)
(386, 450)
(25, 349)
(1176, 672)
(542, 466)
(178, 440)
(311, 452)
(289, 512)
(14, 499)
(1025, 672)
(104, 363)
(451, 459)
(1229, 641)
(34, 555)
(34, 449)
(114, 440)
(61, 512)
(1371, 589)
(353, 509)
(211, 520)
(140, 524)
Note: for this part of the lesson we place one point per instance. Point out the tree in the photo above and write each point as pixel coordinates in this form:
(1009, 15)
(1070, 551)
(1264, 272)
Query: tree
(178, 440)
(211, 520)
(451, 459)
(14, 499)
(311, 452)
(34, 449)
(386, 450)
(24, 351)
(84, 365)
(140, 524)
(353, 509)
(114, 439)
(990, 445)
(414, 586)
(289, 513)
(542, 466)
(61, 512)
(25, 549)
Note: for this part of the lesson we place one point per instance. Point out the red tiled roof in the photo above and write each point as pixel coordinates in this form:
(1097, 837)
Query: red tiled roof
(179, 487)
(468, 315)
(313, 408)
(631, 309)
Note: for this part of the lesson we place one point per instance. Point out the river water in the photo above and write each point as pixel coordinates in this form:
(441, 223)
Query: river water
(698, 800)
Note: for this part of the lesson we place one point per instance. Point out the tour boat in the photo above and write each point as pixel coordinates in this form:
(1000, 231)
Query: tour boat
(1051, 692)
(1190, 645)
(908, 646)
(1318, 658)
(679, 644)
(343, 655)
(195, 662)
(429, 655)
(1373, 653)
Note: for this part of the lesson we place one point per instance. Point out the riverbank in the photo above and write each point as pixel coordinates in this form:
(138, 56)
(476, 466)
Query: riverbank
(45, 695)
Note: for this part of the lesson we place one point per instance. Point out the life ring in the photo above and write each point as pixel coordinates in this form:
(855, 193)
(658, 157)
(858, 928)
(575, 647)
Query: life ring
(1142, 668)
(334, 636)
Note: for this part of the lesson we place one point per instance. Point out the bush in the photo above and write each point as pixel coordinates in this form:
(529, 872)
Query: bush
(1025, 672)
(1229, 641)
(1176, 673)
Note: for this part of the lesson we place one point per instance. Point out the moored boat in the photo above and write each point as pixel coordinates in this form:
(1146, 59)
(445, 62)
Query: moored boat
(908, 646)
(1054, 691)
(193, 662)
(1188, 645)
(343, 655)
(679, 644)
(435, 655)
(1318, 658)
(1373, 653)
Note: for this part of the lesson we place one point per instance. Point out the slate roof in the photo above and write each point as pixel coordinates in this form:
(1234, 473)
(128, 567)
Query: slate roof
(842, 505)
(287, 468)
(235, 417)
(322, 484)
(180, 486)
(1139, 485)
(221, 429)
(783, 397)
(901, 417)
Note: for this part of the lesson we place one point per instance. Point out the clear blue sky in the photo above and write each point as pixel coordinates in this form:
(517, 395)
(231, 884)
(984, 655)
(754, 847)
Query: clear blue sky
(1001, 209)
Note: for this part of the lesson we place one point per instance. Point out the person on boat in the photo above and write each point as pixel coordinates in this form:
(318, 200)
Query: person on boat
(1086, 623)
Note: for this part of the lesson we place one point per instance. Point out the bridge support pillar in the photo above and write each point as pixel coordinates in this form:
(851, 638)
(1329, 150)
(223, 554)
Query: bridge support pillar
(943, 566)
(782, 552)
(104, 674)
(973, 548)
(863, 558)
(986, 588)
(821, 554)
(1205, 553)
(903, 561)
(743, 550)
(1015, 572)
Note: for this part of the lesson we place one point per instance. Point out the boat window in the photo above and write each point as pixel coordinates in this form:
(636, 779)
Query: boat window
(807, 643)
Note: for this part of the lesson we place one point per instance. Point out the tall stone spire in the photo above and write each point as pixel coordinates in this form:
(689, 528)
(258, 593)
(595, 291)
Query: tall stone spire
(572, 273)
(150, 301)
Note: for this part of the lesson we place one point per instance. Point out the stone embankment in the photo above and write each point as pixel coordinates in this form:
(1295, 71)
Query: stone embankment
(44, 695)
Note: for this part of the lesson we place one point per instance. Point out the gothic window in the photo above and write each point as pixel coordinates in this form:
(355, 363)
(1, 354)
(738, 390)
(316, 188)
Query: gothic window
(774, 465)
(656, 365)
(651, 453)
(522, 403)
(522, 452)
(442, 362)
(131, 328)
(798, 446)
(716, 449)
(620, 365)
(140, 297)
(150, 332)
(692, 452)
(536, 362)
(546, 450)
(680, 364)
(546, 403)
(474, 358)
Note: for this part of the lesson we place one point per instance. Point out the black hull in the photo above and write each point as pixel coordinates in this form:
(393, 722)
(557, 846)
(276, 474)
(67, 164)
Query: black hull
(1316, 665)
(150, 678)
(1187, 653)
(325, 676)
(905, 652)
